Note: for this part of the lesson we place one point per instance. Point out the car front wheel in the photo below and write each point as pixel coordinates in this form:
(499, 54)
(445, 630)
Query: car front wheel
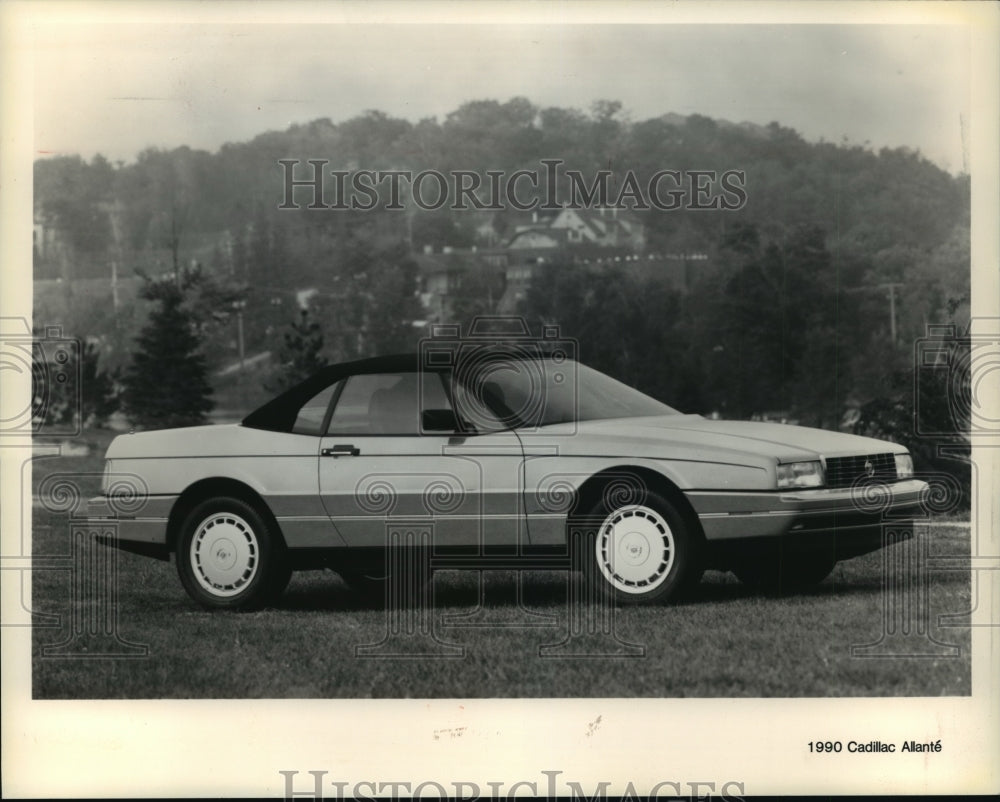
(228, 556)
(640, 552)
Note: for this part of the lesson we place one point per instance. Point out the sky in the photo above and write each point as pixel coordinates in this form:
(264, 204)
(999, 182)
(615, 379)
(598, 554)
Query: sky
(116, 89)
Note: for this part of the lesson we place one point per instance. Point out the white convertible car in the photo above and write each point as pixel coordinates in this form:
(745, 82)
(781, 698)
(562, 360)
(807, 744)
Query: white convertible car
(507, 460)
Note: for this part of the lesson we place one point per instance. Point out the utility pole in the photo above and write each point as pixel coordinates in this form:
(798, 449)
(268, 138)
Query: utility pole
(239, 334)
(239, 306)
(892, 307)
(116, 235)
(891, 287)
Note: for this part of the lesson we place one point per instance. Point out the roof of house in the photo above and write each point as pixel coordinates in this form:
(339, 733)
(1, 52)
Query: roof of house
(558, 235)
(453, 261)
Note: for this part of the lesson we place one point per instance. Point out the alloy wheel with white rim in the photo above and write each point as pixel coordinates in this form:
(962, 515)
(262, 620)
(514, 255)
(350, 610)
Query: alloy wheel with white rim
(642, 551)
(635, 549)
(225, 554)
(228, 556)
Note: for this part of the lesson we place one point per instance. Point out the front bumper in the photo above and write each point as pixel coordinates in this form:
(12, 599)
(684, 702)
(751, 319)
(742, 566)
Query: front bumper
(734, 515)
(839, 523)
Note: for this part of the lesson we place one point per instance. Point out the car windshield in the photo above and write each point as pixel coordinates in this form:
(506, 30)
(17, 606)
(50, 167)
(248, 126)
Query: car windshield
(542, 392)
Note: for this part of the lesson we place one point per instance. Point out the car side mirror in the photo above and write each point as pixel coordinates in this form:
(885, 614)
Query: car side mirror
(439, 420)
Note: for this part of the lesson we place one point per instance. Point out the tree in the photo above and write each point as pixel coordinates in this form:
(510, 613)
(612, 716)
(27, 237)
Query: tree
(300, 354)
(73, 194)
(167, 384)
(774, 319)
(586, 302)
(479, 290)
(777, 334)
(392, 304)
(98, 395)
(931, 401)
(374, 304)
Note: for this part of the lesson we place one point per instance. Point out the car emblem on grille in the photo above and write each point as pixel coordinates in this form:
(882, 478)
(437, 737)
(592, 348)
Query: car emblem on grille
(869, 468)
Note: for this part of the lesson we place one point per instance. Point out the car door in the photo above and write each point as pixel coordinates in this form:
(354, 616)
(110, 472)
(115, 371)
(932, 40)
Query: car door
(379, 467)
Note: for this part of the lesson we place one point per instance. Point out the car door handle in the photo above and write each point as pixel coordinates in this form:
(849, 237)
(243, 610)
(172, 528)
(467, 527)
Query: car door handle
(341, 451)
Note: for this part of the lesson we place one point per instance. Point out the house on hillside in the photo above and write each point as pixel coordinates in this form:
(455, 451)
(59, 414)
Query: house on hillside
(566, 227)
(610, 228)
(530, 242)
(540, 237)
(451, 275)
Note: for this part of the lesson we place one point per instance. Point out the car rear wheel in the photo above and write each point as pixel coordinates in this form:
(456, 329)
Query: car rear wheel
(228, 556)
(640, 552)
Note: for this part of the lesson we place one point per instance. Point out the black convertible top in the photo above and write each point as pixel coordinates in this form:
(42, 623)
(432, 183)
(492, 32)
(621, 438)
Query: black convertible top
(278, 414)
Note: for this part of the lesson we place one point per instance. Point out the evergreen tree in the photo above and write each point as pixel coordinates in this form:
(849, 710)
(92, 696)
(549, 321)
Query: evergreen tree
(98, 395)
(299, 357)
(167, 384)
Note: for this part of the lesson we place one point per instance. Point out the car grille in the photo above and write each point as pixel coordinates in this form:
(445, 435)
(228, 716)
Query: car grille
(847, 471)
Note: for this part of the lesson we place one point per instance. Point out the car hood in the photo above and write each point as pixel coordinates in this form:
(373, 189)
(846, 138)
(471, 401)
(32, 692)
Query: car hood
(670, 435)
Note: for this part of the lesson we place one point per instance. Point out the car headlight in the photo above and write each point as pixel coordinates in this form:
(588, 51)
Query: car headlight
(904, 466)
(800, 474)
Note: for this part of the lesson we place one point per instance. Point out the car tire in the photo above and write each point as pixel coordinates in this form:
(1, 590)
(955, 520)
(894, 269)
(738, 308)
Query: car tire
(638, 551)
(229, 556)
(785, 573)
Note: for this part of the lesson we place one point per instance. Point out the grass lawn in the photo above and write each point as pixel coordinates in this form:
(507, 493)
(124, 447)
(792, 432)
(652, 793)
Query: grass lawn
(320, 641)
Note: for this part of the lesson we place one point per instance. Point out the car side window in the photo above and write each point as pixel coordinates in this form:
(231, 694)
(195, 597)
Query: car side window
(386, 403)
(473, 412)
(313, 412)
